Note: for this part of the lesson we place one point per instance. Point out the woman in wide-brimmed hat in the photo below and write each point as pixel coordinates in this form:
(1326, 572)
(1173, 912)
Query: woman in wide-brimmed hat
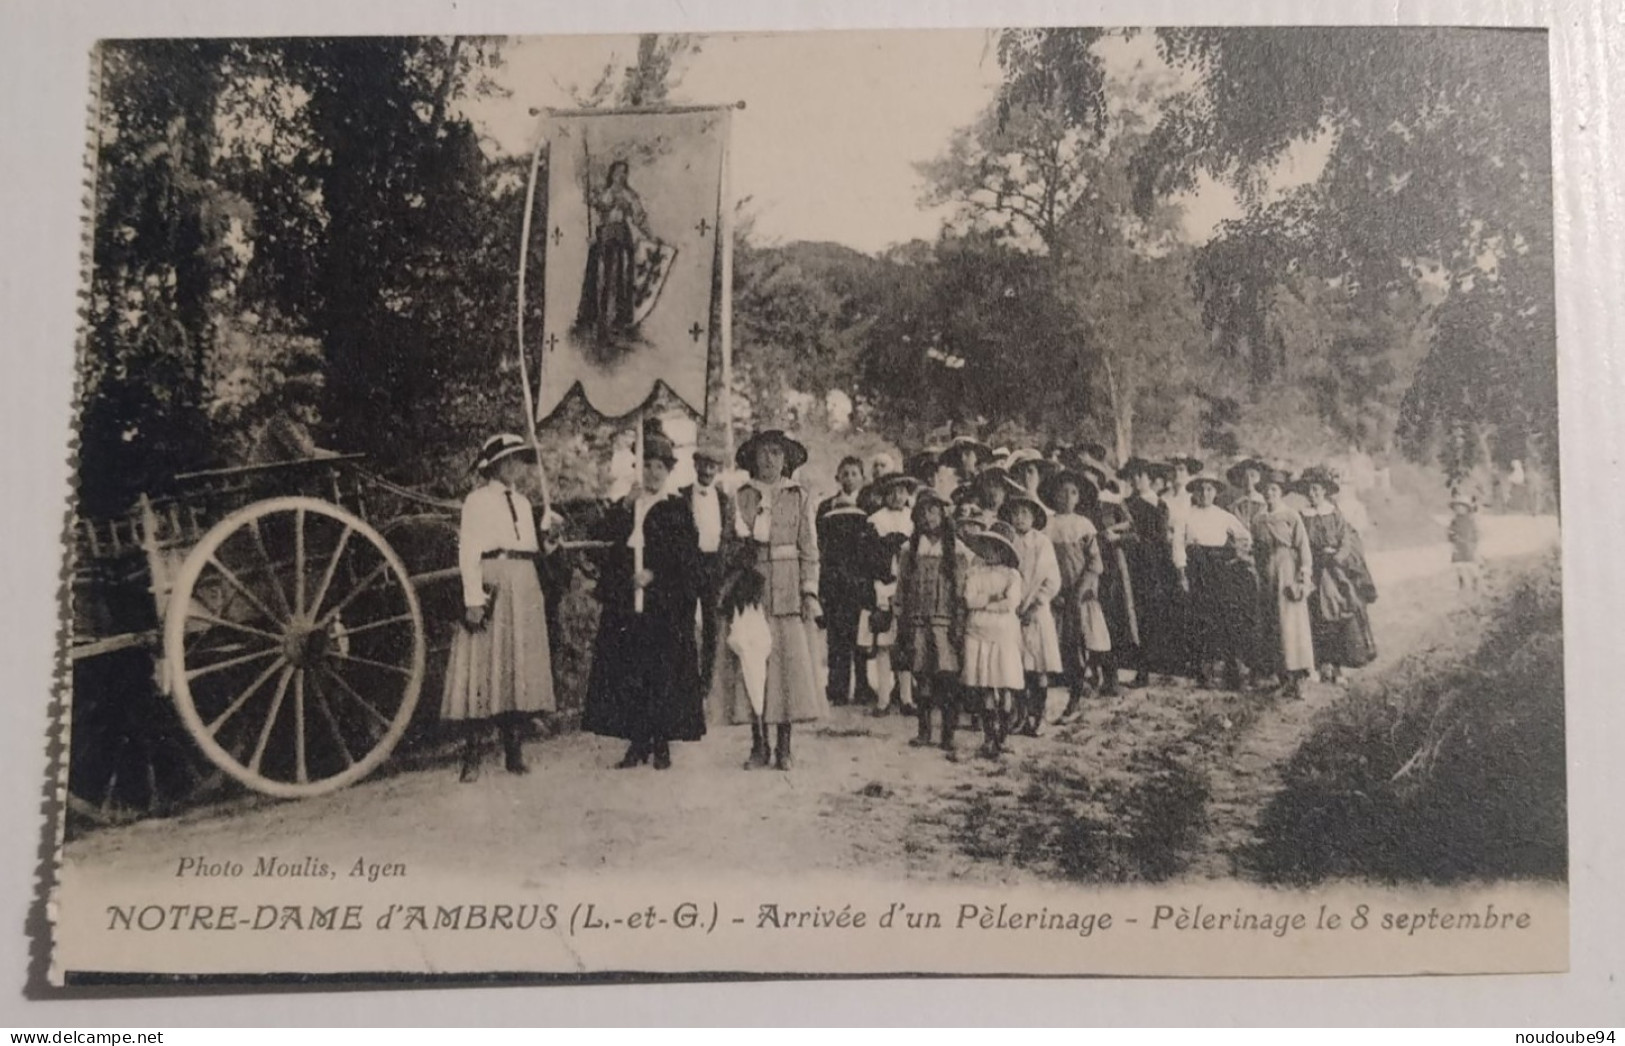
(1158, 600)
(644, 686)
(1028, 468)
(1342, 582)
(991, 669)
(1117, 596)
(1040, 583)
(500, 671)
(1244, 500)
(966, 455)
(1285, 565)
(774, 522)
(1213, 553)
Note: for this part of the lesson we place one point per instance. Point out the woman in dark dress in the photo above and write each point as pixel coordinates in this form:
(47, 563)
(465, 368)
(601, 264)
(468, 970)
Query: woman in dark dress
(1342, 582)
(645, 681)
(1157, 595)
(1116, 529)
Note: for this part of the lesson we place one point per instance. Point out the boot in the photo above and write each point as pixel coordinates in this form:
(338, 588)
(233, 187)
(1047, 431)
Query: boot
(471, 756)
(758, 747)
(990, 734)
(1141, 680)
(513, 756)
(781, 758)
(950, 721)
(922, 736)
(1108, 676)
(662, 755)
(637, 753)
(1036, 698)
(1074, 705)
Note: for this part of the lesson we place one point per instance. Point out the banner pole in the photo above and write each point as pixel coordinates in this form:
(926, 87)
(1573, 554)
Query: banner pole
(725, 229)
(637, 525)
(524, 369)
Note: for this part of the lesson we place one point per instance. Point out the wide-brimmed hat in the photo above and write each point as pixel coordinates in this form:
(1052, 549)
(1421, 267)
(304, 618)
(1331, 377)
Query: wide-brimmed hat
(896, 479)
(1192, 465)
(1138, 466)
(999, 474)
(1211, 481)
(1093, 452)
(795, 454)
(659, 448)
(959, 444)
(1234, 472)
(710, 448)
(926, 496)
(1032, 504)
(1030, 456)
(1462, 499)
(1317, 474)
(923, 464)
(1088, 487)
(995, 543)
(1280, 477)
(505, 445)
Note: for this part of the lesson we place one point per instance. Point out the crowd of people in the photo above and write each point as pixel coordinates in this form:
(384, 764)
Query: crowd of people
(957, 586)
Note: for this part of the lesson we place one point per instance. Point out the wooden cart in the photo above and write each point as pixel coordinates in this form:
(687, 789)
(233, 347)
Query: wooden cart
(283, 633)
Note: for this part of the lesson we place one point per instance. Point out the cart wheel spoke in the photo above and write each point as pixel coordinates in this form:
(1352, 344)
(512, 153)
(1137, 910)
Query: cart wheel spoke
(356, 593)
(220, 622)
(378, 717)
(299, 561)
(332, 568)
(398, 619)
(237, 583)
(332, 722)
(195, 674)
(271, 581)
(301, 769)
(384, 665)
(270, 719)
(242, 699)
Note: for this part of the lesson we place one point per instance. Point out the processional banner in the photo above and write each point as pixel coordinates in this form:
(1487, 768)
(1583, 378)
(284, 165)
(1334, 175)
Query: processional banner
(633, 208)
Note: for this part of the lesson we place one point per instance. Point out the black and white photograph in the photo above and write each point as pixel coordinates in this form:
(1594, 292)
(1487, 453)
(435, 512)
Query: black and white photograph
(1038, 501)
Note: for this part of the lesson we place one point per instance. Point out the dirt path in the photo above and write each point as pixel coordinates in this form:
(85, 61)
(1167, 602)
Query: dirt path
(1130, 792)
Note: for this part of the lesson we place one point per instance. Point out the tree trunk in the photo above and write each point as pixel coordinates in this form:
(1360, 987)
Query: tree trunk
(1122, 414)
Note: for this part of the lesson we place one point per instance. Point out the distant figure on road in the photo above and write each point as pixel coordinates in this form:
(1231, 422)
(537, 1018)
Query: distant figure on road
(1464, 555)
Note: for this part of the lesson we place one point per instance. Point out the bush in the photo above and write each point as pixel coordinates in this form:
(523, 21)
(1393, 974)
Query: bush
(1450, 768)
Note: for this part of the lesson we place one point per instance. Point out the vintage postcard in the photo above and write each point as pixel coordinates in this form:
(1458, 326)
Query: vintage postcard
(1052, 501)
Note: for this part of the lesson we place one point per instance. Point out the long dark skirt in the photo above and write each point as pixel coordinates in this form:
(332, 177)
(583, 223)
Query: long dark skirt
(1347, 641)
(1223, 608)
(1159, 606)
(645, 681)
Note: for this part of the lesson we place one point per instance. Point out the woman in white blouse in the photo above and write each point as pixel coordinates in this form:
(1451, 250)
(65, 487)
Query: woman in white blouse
(500, 670)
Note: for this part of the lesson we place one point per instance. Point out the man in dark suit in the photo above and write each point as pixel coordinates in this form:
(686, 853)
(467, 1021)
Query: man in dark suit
(713, 520)
(845, 581)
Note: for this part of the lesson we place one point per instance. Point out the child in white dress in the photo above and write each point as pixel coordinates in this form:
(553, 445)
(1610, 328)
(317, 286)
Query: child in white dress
(991, 668)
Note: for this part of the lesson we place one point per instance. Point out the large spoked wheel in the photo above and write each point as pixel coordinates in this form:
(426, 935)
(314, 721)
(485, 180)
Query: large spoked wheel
(294, 647)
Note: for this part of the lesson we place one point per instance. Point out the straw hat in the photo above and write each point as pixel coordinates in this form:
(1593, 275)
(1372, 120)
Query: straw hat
(1040, 516)
(1320, 475)
(1200, 481)
(1088, 486)
(795, 454)
(1234, 472)
(996, 544)
(506, 445)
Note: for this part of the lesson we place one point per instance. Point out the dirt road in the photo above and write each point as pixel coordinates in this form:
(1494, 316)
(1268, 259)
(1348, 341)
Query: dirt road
(1159, 783)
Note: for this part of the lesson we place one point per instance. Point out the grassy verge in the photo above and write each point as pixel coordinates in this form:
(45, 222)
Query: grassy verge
(1448, 767)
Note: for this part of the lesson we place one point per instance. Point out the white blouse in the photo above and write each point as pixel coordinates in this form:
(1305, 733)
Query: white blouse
(495, 518)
